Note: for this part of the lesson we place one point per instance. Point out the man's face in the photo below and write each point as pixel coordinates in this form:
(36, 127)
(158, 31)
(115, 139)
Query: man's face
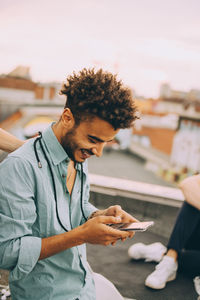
(88, 138)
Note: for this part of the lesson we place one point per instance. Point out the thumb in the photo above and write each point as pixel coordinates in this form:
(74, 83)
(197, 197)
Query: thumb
(108, 219)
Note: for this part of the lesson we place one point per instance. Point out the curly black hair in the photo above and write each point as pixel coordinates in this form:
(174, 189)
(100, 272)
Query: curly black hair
(99, 94)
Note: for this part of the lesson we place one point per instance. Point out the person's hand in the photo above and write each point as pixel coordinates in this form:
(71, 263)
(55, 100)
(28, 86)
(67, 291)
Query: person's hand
(95, 231)
(117, 211)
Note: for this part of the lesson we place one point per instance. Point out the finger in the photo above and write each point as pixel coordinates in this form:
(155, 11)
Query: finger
(115, 233)
(123, 234)
(123, 239)
(107, 243)
(127, 218)
(114, 243)
(118, 210)
(131, 234)
(108, 219)
(114, 210)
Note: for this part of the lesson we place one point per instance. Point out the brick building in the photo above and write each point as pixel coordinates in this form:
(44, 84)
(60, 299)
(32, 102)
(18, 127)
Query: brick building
(18, 86)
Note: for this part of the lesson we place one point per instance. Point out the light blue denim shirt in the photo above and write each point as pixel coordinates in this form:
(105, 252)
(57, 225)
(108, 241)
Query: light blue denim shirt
(28, 214)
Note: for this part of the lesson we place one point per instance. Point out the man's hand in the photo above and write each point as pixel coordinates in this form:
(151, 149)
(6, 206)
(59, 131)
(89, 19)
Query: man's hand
(115, 211)
(95, 231)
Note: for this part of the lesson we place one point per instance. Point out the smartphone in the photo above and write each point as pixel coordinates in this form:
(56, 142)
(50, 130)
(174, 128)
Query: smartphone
(135, 226)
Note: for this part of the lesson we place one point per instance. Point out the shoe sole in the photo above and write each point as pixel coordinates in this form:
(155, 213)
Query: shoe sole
(173, 277)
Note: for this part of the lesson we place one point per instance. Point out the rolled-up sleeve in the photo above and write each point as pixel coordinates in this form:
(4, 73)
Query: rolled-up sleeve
(29, 252)
(19, 249)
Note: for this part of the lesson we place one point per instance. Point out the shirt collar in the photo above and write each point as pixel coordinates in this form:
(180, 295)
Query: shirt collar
(55, 149)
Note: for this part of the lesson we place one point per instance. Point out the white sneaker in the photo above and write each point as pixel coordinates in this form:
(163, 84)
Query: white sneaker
(152, 252)
(165, 271)
(197, 284)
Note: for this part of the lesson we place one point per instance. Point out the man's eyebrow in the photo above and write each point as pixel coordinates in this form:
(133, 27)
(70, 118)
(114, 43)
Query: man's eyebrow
(98, 139)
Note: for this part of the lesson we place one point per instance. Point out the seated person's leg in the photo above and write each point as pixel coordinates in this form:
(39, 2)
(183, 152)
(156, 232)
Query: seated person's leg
(189, 262)
(189, 257)
(187, 224)
(184, 231)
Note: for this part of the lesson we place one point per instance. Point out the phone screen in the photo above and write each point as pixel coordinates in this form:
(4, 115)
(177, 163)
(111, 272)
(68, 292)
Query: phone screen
(135, 226)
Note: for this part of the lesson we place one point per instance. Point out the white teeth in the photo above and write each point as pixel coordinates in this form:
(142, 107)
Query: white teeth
(85, 152)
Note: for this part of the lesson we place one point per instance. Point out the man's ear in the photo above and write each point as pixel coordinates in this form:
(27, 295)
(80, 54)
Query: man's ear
(67, 119)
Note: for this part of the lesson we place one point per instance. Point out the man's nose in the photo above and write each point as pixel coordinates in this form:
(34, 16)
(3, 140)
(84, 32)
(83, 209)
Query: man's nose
(98, 149)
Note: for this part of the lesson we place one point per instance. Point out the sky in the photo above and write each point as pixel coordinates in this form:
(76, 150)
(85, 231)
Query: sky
(146, 42)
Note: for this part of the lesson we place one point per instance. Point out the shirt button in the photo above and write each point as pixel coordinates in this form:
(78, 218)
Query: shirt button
(63, 175)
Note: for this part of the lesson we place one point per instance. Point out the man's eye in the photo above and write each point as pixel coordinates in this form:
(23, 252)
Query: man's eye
(92, 141)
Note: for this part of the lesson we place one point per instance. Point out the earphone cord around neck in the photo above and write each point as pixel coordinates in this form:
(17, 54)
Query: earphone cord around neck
(53, 180)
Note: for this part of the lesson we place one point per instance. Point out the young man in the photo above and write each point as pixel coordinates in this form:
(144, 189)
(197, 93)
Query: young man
(183, 249)
(45, 216)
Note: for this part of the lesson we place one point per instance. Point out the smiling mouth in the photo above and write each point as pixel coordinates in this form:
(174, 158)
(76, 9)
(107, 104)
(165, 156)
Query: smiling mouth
(86, 153)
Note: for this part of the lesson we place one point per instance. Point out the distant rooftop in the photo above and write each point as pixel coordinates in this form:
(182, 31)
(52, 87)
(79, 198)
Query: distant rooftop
(20, 72)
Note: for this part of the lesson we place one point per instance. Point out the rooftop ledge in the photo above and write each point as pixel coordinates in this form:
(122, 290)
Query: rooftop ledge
(137, 190)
